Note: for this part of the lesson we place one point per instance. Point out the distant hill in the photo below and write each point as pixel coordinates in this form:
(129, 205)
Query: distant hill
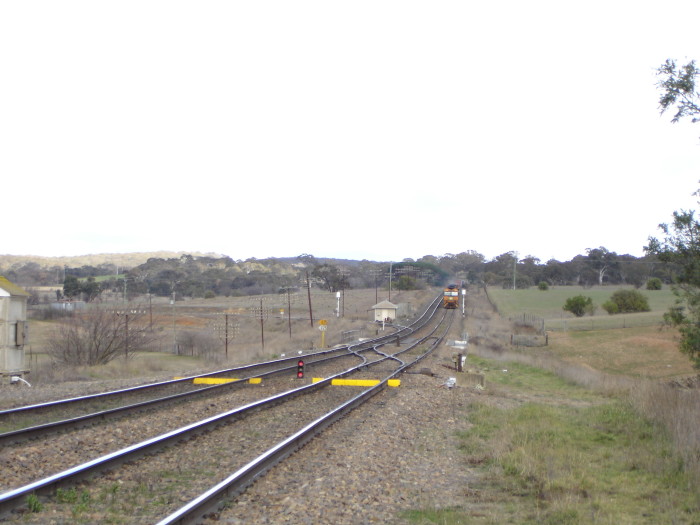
(128, 260)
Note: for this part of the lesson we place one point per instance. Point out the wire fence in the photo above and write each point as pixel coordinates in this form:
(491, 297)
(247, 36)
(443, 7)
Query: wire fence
(608, 322)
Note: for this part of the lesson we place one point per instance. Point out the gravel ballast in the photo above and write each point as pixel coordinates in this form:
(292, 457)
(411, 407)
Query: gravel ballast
(397, 453)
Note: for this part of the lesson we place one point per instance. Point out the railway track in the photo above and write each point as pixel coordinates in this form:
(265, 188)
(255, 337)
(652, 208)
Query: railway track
(28, 422)
(307, 409)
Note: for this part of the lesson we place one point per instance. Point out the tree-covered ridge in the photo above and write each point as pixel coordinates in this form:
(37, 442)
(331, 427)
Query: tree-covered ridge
(201, 276)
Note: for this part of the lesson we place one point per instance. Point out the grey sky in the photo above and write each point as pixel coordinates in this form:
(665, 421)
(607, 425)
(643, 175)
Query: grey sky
(378, 130)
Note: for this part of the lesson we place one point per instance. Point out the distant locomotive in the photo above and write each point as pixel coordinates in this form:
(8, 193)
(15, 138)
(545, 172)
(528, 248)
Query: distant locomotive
(450, 297)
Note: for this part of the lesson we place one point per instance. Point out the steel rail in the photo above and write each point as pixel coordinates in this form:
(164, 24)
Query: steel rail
(13, 498)
(151, 386)
(25, 434)
(213, 499)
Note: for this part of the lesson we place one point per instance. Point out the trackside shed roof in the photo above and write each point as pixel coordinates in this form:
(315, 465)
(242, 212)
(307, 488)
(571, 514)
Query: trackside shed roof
(8, 289)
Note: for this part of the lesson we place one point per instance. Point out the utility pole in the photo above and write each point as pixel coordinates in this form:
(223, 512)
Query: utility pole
(288, 291)
(226, 331)
(289, 312)
(391, 271)
(126, 333)
(126, 313)
(226, 335)
(261, 314)
(308, 290)
(262, 330)
(375, 273)
(172, 313)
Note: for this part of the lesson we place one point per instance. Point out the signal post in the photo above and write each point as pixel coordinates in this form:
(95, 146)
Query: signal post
(322, 325)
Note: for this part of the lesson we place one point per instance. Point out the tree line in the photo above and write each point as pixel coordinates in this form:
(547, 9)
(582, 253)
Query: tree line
(673, 259)
(206, 276)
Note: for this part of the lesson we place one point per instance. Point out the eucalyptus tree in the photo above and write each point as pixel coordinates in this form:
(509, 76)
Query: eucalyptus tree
(680, 244)
(678, 90)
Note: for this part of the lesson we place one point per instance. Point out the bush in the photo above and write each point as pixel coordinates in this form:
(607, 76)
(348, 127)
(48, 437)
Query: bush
(543, 286)
(98, 336)
(579, 305)
(654, 284)
(611, 307)
(626, 301)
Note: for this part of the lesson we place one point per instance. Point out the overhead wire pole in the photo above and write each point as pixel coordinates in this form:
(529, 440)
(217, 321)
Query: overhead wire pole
(126, 313)
(261, 314)
(226, 335)
(289, 311)
(376, 273)
(262, 329)
(391, 270)
(341, 304)
(308, 290)
(288, 291)
(172, 312)
(226, 331)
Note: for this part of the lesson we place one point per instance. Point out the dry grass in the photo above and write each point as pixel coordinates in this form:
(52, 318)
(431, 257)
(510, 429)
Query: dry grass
(677, 408)
(191, 327)
(635, 352)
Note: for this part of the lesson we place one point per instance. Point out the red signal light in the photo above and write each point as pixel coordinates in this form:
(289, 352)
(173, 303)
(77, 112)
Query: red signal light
(300, 369)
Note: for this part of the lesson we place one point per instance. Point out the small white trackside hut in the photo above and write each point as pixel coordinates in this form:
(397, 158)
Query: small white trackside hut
(384, 311)
(13, 323)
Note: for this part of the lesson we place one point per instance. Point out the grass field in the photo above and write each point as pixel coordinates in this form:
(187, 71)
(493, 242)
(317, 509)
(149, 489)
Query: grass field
(581, 459)
(549, 306)
(189, 328)
(639, 351)
(624, 449)
(563, 454)
(634, 345)
(542, 449)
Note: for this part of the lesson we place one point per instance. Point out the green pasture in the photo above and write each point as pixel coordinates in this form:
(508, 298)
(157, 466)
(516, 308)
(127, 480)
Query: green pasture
(563, 455)
(100, 278)
(548, 305)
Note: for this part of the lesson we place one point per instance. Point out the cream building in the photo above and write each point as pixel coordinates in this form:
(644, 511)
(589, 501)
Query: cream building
(384, 311)
(13, 328)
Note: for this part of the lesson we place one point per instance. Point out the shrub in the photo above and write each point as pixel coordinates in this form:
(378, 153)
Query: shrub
(626, 301)
(579, 305)
(98, 336)
(543, 286)
(611, 307)
(654, 284)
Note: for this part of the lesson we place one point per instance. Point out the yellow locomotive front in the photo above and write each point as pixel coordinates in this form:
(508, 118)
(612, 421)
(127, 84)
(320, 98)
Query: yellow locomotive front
(450, 297)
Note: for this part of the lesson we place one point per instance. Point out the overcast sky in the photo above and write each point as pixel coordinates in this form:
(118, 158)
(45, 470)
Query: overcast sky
(377, 130)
